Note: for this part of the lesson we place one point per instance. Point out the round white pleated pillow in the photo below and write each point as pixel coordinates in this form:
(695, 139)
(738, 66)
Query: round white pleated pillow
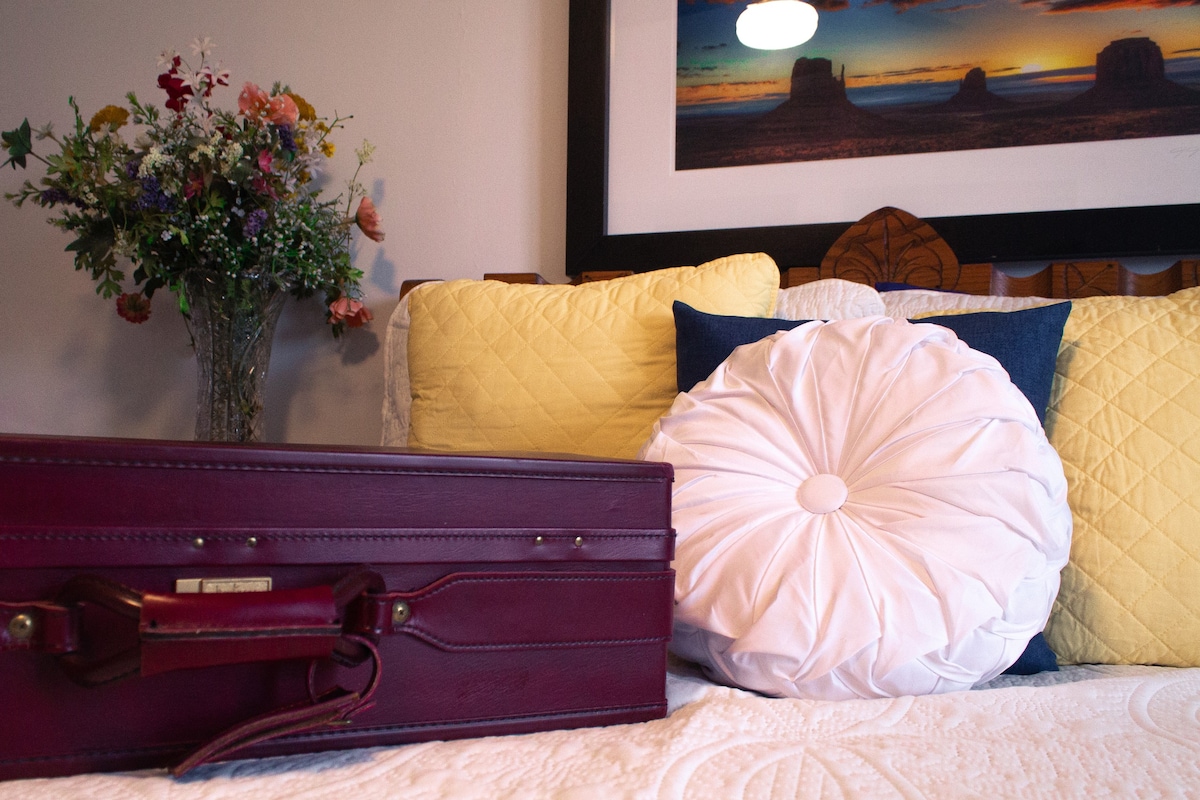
(864, 508)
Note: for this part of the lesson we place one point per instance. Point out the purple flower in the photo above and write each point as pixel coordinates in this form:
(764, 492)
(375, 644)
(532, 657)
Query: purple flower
(254, 223)
(153, 198)
(132, 167)
(286, 138)
(50, 197)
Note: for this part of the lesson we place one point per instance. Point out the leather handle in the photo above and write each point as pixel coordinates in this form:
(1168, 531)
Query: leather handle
(186, 631)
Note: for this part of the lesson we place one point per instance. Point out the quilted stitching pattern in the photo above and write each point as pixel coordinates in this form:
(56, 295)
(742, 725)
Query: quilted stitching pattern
(1125, 418)
(584, 369)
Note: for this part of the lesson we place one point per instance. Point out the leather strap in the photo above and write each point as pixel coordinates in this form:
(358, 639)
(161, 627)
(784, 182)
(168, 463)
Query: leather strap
(502, 611)
(335, 707)
(44, 627)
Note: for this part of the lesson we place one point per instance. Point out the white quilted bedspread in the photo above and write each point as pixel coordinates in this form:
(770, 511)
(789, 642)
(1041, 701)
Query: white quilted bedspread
(1084, 732)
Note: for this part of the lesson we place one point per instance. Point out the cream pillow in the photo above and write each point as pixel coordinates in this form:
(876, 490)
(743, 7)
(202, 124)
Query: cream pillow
(579, 369)
(914, 303)
(1125, 418)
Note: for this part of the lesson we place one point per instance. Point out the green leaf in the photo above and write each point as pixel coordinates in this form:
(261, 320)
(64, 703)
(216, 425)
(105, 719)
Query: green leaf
(94, 245)
(19, 143)
(152, 286)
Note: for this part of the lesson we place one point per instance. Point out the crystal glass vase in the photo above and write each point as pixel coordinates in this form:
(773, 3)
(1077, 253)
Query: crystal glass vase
(231, 333)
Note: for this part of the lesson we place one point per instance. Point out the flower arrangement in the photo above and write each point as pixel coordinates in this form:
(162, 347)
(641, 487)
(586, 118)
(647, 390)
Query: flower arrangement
(235, 193)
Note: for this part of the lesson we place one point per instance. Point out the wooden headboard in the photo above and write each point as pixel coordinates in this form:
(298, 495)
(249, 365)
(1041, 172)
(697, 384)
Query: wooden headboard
(892, 246)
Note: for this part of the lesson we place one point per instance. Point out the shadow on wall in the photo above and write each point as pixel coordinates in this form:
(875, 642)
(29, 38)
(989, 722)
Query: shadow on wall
(148, 369)
(114, 378)
(309, 369)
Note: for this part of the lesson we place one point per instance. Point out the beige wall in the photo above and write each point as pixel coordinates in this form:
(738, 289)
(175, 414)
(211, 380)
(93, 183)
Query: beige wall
(465, 101)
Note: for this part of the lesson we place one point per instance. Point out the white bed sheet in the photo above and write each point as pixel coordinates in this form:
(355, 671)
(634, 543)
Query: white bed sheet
(1082, 732)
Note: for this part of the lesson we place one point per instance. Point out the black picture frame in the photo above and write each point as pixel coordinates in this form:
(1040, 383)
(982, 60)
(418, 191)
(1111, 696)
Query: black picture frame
(1137, 231)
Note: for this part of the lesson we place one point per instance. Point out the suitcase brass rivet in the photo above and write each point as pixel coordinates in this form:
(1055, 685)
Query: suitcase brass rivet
(252, 541)
(20, 627)
(539, 540)
(579, 541)
(198, 542)
(400, 612)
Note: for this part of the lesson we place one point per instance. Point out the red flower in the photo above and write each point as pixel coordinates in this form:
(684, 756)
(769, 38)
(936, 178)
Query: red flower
(352, 312)
(133, 307)
(177, 91)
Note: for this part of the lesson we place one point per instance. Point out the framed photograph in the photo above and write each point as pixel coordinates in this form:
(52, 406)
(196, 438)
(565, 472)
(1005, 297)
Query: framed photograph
(642, 194)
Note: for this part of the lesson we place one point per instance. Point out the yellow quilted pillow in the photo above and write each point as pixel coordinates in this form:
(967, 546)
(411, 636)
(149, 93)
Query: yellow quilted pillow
(1125, 418)
(575, 369)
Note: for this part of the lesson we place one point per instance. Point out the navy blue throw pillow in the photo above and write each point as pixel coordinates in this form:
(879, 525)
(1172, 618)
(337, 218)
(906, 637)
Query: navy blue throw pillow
(1025, 343)
(703, 341)
(1038, 657)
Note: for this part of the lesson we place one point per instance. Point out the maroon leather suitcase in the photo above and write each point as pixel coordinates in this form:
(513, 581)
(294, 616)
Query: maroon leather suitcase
(169, 603)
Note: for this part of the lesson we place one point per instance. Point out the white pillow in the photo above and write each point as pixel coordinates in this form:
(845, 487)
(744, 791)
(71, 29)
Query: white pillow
(831, 298)
(824, 299)
(864, 508)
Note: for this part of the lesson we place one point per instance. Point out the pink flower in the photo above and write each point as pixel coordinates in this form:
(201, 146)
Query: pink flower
(265, 159)
(136, 308)
(352, 312)
(367, 218)
(253, 101)
(261, 186)
(194, 187)
(282, 110)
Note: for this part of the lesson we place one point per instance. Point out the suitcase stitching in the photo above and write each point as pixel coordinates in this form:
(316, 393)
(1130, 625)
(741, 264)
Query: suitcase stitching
(242, 467)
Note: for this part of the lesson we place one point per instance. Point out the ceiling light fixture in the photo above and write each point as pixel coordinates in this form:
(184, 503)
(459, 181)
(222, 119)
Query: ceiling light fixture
(776, 24)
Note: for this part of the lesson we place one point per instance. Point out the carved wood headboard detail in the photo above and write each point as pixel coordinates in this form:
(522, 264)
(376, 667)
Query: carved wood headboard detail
(892, 246)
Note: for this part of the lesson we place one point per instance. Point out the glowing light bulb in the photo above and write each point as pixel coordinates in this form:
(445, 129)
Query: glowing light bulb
(776, 24)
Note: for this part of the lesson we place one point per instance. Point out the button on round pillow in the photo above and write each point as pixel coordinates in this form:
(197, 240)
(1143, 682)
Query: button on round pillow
(864, 508)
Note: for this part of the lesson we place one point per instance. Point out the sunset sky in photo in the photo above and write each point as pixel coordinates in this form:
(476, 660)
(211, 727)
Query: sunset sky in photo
(911, 42)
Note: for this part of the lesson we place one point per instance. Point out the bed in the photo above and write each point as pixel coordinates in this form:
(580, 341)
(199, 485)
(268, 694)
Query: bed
(1120, 717)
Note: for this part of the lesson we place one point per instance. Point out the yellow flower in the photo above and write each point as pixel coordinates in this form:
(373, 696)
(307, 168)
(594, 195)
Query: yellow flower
(307, 112)
(327, 148)
(113, 116)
